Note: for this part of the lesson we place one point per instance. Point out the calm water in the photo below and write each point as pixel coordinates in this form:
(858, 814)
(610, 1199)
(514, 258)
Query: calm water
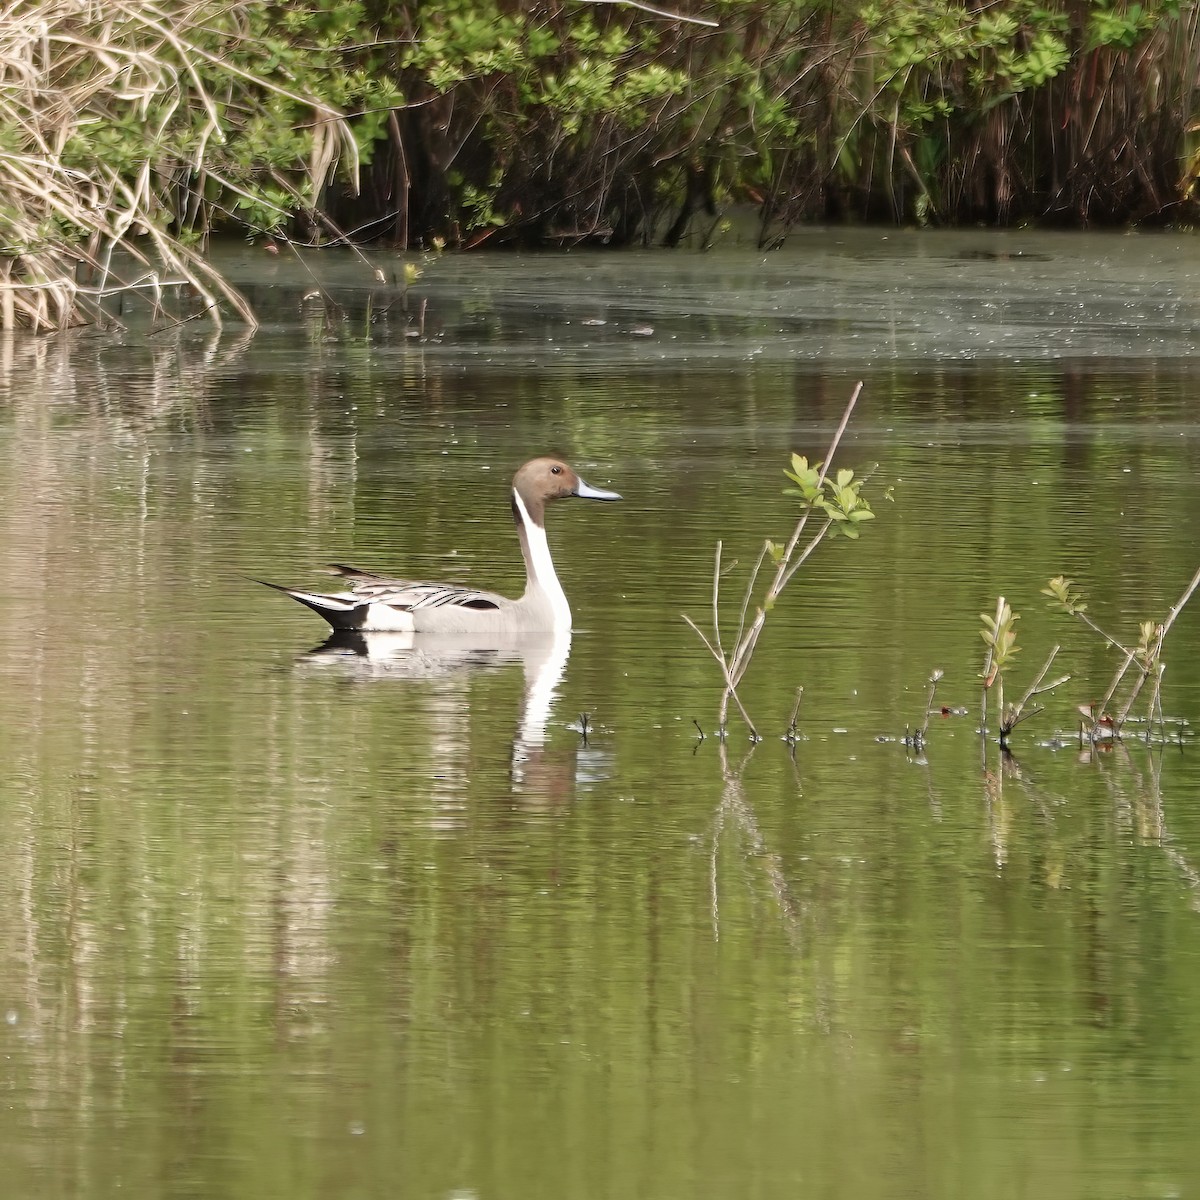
(283, 925)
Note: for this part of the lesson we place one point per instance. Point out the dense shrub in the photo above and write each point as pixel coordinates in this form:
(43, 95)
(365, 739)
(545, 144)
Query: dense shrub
(146, 126)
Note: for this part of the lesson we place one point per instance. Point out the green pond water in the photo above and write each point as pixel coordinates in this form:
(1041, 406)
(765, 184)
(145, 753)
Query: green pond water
(284, 925)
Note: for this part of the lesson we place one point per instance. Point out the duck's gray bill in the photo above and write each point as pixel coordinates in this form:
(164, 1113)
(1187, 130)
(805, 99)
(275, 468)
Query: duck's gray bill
(585, 491)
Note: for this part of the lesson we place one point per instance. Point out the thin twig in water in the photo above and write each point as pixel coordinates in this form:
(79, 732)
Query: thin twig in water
(716, 598)
(792, 733)
(1148, 663)
(934, 678)
(1036, 688)
(731, 688)
(734, 664)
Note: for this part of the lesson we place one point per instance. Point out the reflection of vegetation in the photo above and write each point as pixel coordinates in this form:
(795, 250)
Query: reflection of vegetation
(251, 911)
(735, 814)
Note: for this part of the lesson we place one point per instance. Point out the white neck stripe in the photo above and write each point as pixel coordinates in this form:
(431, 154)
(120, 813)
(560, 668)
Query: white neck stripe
(540, 566)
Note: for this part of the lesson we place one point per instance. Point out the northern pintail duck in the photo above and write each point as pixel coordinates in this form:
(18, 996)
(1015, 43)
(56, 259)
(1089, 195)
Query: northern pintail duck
(372, 603)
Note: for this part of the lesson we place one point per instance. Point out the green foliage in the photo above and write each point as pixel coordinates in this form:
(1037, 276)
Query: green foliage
(841, 501)
(1119, 28)
(980, 78)
(479, 205)
(512, 117)
(1062, 596)
(783, 101)
(1146, 648)
(942, 59)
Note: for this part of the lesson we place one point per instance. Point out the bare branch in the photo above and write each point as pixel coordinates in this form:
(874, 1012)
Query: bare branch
(657, 12)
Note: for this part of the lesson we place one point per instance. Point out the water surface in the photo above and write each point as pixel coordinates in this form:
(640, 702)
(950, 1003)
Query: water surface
(285, 926)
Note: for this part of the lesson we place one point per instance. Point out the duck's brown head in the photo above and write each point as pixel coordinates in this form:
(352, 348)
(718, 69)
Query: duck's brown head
(543, 479)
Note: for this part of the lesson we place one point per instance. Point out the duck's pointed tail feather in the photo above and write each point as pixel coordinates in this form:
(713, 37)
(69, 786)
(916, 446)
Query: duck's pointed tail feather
(341, 612)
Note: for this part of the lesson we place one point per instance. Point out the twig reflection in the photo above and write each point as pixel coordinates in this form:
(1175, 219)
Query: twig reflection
(736, 812)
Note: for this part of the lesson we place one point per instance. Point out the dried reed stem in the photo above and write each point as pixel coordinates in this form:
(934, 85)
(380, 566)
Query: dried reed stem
(72, 71)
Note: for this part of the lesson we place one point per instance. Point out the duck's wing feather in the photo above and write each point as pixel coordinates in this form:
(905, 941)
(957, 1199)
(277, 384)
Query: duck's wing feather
(414, 594)
(368, 588)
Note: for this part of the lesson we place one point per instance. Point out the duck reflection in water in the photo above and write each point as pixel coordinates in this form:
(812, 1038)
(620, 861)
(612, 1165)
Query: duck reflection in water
(541, 776)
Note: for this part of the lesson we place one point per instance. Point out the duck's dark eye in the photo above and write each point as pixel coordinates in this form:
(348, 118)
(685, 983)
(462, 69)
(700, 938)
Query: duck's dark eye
(556, 470)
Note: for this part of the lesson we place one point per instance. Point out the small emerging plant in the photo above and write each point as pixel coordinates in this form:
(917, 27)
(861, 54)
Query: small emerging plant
(1000, 636)
(838, 507)
(917, 737)
(793, 730)
(1109, 715)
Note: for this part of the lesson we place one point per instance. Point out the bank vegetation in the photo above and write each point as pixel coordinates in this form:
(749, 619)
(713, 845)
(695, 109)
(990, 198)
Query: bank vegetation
(133, 131)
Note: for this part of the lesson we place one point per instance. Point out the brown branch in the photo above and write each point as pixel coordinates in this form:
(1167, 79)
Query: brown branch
(657, 12)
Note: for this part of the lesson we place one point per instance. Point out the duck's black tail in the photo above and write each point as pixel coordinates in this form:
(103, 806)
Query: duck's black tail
(340, 612)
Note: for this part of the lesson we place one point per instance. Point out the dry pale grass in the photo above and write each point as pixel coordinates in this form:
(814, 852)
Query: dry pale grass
(70, 68)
